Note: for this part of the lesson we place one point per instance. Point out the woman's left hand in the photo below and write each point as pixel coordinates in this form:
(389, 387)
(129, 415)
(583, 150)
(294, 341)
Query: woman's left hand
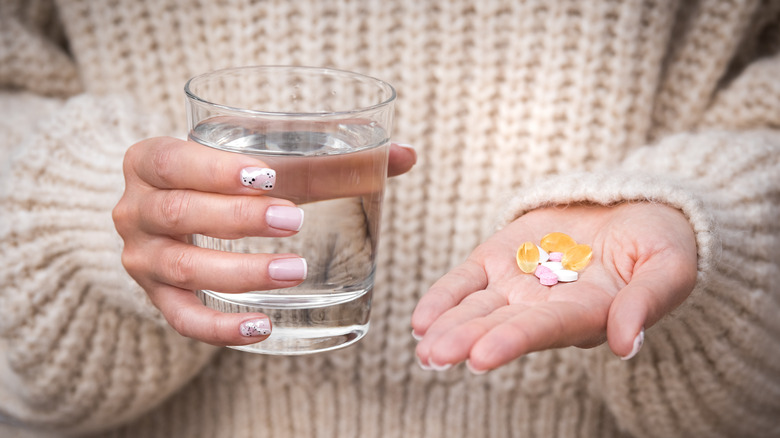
(488, 312)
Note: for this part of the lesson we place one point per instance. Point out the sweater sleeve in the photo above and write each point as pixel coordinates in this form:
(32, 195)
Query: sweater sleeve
(81, 346)
(711, 367)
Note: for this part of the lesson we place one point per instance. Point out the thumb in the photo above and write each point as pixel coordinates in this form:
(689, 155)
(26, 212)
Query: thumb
(654, 290)
(402, 157)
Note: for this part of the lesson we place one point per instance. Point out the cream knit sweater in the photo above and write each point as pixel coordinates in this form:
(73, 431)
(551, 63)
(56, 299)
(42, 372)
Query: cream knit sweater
(511, 104)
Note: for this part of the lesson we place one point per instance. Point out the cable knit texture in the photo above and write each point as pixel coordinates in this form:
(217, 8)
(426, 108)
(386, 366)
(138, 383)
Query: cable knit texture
(512, 105)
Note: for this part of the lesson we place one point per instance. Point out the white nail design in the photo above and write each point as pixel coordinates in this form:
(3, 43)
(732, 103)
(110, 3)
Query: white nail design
(258, 178)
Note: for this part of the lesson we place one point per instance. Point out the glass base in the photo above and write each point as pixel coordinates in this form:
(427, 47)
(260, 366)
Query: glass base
(321, 325)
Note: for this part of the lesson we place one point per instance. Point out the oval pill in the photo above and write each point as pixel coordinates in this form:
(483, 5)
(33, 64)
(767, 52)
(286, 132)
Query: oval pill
(557, 242)
(553, 266)
(541, 270)
(565, 275)
(548, 279)
(577, 257)
(527, 257)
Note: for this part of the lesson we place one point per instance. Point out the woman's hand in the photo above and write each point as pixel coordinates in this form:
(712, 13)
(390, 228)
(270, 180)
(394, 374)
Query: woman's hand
(176, 188)
(488, 312)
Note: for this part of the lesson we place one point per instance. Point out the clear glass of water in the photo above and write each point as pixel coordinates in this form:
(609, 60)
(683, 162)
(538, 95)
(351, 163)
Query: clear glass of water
(326, 134)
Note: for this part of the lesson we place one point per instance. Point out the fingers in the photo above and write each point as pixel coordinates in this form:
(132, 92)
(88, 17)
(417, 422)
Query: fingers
(188, 316)
(491, 334)
(543, 326)
(655, 289)
(401, 159)
(170, 163)
(226, 217)
(447, 342)
(446, 293)
(185, 266)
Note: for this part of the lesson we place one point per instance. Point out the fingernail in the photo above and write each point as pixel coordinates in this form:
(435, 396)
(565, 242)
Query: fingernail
(638, 341)
(423, 366)
(437, 367)
(288, 269)
(284, 218)
(258, 178)
(474, 371)
(406, 146)
(255, 327)
(416, 336)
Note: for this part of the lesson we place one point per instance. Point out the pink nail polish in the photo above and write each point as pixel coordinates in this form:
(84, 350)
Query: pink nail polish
(284, 218)
(255, 327)
(258, 178)
(288, 269)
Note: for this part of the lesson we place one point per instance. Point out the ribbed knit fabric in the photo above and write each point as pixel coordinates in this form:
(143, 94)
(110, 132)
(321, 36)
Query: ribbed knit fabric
(511, 105)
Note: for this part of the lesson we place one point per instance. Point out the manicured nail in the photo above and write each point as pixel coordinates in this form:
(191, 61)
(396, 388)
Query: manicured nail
(423, 366)
(638, 341)
(405, 146)
(285, 218)
(255, 327)
(474, 371)
(258, 178)
(437, 367)
(416, 336)
(288, 269)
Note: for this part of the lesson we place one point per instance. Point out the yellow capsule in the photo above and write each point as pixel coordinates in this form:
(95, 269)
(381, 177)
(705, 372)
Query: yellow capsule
(577, 257)
(557, 242)
(528, 257)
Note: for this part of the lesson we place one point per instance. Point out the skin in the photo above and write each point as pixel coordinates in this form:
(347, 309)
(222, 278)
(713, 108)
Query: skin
(487, 312)
(174, 188)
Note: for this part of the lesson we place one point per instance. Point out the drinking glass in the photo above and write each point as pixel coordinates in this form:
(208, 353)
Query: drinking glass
(326, 134)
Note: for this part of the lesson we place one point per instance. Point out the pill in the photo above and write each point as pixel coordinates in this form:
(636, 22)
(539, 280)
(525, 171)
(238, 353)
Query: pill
(557, 242)
(565, 275)
(527, 257)
(543, 256)
(548, 279)
(553, 266)
(540, 270)
(577, 257)
(555, 256)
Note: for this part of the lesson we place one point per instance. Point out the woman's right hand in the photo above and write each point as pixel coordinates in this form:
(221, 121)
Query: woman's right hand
(175, 188)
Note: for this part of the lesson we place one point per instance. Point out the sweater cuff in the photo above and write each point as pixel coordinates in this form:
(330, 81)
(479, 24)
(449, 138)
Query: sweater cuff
(611, 188)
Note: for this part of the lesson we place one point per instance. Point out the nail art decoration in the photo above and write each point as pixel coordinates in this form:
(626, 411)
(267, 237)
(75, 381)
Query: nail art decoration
(258, 178)
(255, 327)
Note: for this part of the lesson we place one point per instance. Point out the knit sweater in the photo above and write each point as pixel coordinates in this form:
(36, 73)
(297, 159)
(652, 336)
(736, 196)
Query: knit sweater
(511, 105)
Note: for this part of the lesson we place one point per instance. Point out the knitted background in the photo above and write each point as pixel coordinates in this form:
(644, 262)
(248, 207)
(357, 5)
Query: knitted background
(511, 106)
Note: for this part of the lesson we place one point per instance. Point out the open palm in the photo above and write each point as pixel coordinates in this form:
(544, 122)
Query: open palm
(489, 312)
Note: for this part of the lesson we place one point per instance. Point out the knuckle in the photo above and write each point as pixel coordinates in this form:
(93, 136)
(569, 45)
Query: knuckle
(132, 156)
(174, 207)
(121, 215)
(205, 330)
(181, 268)
(131, 261)
(243, 211)
(163, 161)
(177, 318)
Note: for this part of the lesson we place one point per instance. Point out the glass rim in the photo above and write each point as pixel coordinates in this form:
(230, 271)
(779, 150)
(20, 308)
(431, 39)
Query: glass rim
(331, 71)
